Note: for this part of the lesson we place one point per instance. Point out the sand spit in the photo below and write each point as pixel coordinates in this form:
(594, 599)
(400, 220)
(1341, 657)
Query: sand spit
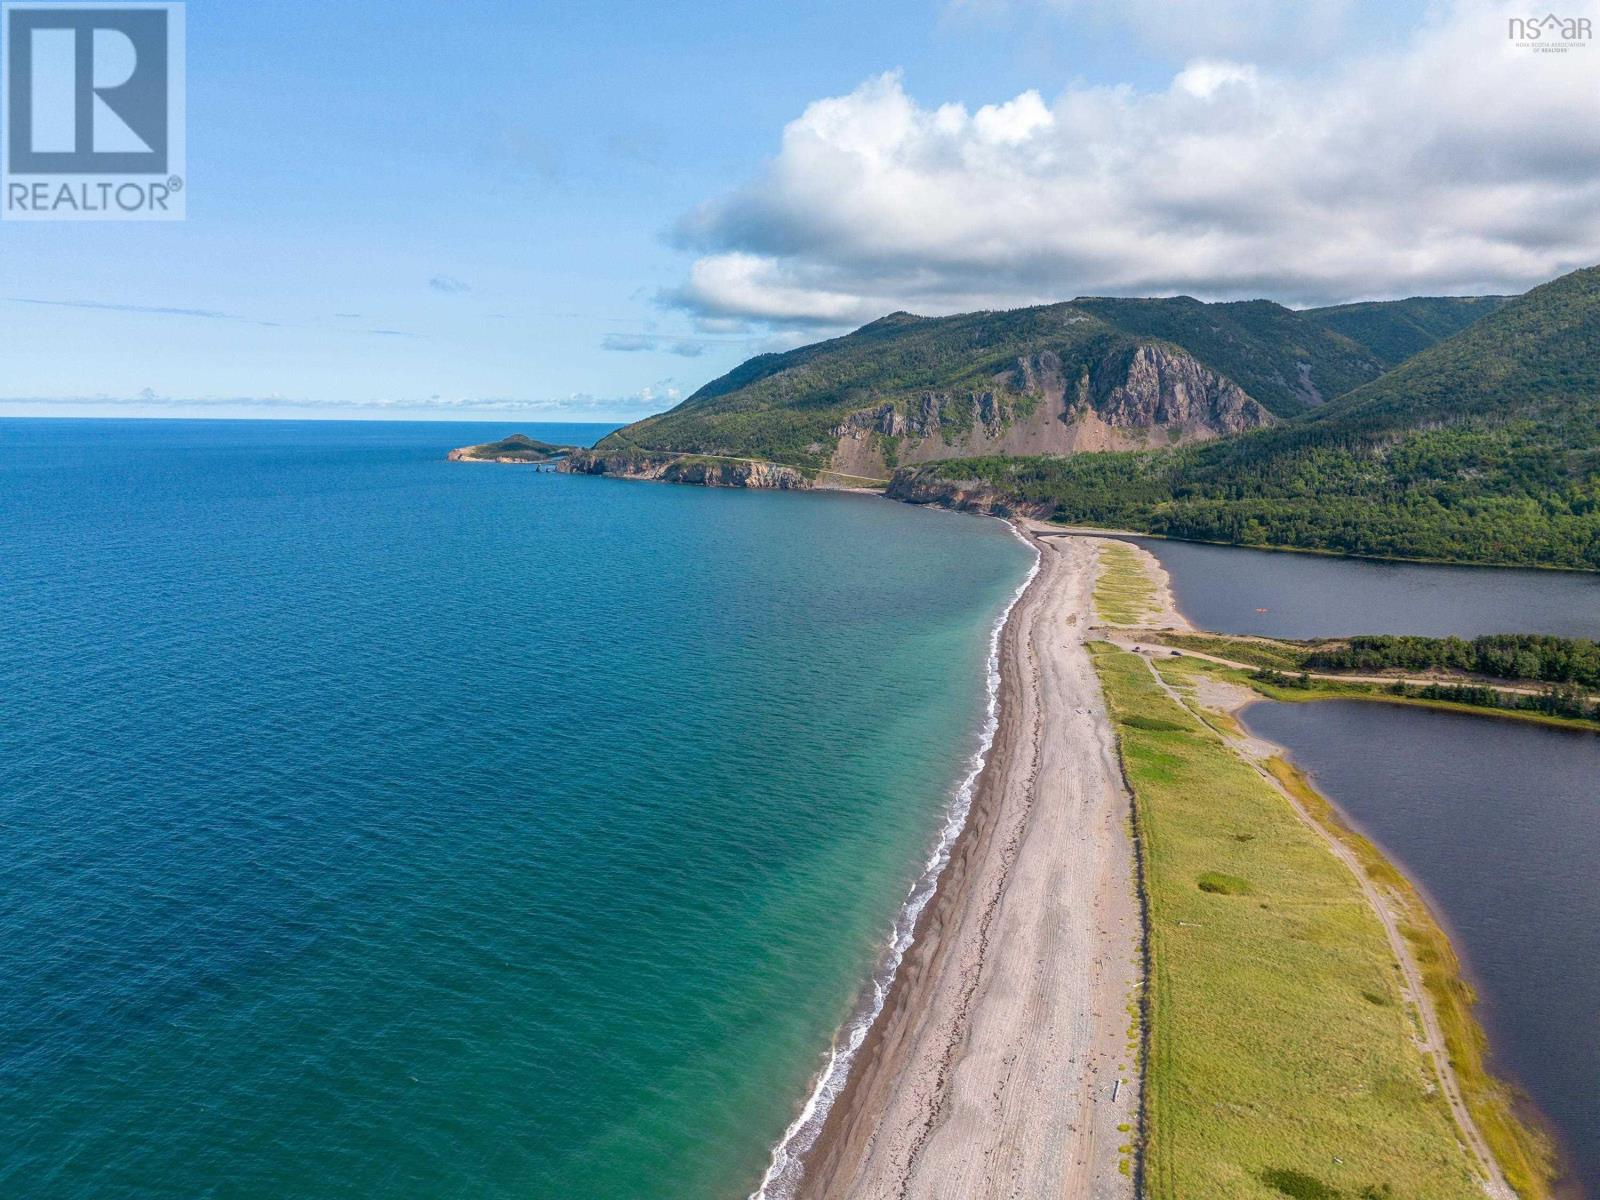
(1000, 1065)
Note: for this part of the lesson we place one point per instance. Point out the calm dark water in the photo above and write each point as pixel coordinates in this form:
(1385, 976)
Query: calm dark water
(1500, 822)
(1220, 588)
(376, 826)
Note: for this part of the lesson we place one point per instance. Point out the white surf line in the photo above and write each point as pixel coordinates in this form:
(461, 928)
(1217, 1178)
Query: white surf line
(786, 1166)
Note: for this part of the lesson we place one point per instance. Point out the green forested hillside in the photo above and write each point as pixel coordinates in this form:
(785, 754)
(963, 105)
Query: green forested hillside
(1483, 448)
(783, 406)
(1393, 330)
(1481, 445)
(1285, 361)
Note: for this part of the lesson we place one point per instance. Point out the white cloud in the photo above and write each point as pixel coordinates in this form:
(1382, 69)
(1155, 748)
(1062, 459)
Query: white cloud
(662, 392)
(1451, 161)
(750, 285)
(1204, 77)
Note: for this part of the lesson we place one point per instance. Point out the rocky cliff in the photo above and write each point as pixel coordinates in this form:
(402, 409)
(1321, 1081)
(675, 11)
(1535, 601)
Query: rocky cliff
(1096, 373)
(1131, 397)
(683, 468)
(1154, 387)
(916, 485)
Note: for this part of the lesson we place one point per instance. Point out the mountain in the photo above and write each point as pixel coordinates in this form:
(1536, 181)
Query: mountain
(1485, 447)
(1393, 330)
(908, 389)
(1275, 354)
(1094, 374)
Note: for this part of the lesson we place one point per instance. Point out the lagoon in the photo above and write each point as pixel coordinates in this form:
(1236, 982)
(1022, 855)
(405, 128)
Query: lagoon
(1499, 822)
(1228, 589)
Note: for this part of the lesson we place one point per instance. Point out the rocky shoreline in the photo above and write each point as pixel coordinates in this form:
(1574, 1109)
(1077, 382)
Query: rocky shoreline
(913, 485)
(916, 485)
(697, 470)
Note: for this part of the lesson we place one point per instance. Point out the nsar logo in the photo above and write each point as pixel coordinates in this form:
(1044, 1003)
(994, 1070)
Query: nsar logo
(93, 116)
(1550, 34)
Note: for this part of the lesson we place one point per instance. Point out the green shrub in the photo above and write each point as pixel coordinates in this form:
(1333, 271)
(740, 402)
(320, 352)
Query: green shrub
(1299, 1185)
(1219, 884)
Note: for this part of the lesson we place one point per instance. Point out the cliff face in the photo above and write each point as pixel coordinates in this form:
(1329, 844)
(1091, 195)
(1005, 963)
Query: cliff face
(916, 486)
(1131, 398)
(1153, 387)
(678, 468)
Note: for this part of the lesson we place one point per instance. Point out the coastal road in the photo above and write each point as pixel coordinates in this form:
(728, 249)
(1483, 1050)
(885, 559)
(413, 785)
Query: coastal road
(991, 1071)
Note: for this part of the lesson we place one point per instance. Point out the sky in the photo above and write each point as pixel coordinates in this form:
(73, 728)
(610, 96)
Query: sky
(584, 211)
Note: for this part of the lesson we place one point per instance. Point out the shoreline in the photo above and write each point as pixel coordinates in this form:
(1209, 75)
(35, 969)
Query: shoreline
(1407, 899)
(846, 1140)
(788, 1160)
(1399, 900)
(1433, 922)
(1009, 1003)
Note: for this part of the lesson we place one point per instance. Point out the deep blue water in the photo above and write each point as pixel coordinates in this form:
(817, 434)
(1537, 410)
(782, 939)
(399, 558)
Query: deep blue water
(377, 826)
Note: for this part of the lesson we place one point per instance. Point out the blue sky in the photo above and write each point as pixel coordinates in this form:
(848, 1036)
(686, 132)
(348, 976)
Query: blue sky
(514, 211)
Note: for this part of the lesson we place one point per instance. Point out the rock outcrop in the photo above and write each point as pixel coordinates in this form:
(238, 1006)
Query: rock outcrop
(1131, 398)
(1153, 386)
(687, 468)
(916, 485)
(1123, 395)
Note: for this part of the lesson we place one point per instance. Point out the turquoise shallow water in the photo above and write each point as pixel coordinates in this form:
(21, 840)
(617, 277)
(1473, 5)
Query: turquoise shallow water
(376, 826)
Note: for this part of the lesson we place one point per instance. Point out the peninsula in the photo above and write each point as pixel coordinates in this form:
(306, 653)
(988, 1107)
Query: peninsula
(518, 448)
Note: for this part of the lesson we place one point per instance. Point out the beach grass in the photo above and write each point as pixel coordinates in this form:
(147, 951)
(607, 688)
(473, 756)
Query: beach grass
(1524, 1154)
(1281, 1060)
(1123, 593)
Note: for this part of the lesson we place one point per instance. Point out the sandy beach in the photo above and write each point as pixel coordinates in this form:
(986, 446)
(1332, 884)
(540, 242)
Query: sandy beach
(1000, 1065)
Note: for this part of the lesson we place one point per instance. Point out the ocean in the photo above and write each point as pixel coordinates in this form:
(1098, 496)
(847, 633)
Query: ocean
(379, 826)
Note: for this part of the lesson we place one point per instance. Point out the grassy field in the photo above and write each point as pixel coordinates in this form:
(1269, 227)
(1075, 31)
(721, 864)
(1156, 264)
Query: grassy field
(1524, 1155)
(1272, 981)
(1281, 1059)
(1258, 652)
(1122, 591)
